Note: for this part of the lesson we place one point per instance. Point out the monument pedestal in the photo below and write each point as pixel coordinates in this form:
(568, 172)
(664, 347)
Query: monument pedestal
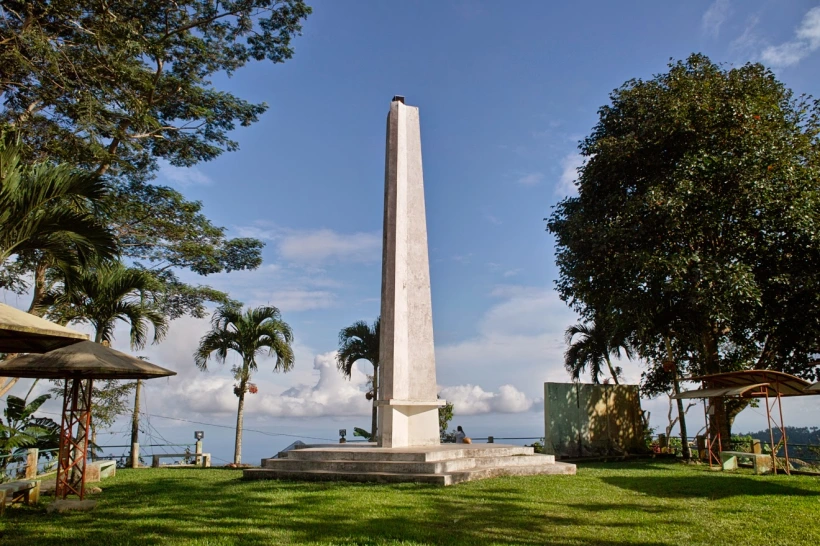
(407, 423)
(444, 464)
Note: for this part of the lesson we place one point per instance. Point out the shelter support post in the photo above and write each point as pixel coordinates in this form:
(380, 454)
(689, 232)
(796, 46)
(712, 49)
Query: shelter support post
(74, 436)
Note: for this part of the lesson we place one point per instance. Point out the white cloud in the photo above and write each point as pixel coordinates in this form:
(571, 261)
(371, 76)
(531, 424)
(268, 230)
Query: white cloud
(183, 177)
(511, 273)
(472, 400)
(317, 246)
(714, 17)
(302, 300)
(332, 395)
(806, 40)
(530, 179)
(493, 219)
(569, 173)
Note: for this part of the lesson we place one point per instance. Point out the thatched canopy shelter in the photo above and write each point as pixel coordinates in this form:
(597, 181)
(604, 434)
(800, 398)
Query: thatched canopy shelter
(22, 332)
(83, 360)
(79, 364)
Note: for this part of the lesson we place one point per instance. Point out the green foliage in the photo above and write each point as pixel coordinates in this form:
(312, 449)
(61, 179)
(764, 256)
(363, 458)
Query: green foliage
(359, 341)
(698, 218)
(51, 209)
(597, 341)
(120, 84)
(445, 415)
(362, 433)
(22, 430)
(107, 293)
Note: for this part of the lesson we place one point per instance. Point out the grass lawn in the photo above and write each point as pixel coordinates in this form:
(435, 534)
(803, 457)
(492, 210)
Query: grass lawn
(626, 503)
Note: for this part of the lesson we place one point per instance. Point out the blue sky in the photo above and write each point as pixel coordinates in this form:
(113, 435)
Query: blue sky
(505, 92)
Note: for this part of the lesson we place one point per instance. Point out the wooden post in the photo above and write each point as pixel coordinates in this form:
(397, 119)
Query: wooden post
(32, 455)
(756, 447)
(135, 427)
(135, 455)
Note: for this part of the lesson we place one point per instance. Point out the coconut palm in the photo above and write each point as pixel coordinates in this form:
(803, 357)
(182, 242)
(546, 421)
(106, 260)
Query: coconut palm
(51, 209)
(596, 342)
(248, 333)
(106, 293)
(360, 341)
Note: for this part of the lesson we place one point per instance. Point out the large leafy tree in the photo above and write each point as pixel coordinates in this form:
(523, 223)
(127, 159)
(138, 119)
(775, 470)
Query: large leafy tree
(115, 87)
(697, 219)
(360, 341)
(247, 333)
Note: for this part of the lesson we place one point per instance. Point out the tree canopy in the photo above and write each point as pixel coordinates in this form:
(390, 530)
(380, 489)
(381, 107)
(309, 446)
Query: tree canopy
(115, 88)
(698, 219)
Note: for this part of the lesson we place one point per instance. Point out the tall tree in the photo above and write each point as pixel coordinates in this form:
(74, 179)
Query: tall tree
(590, 346)
(360, 341)
(248, 333)
(107, 293)
(698, 218)
(117, 87)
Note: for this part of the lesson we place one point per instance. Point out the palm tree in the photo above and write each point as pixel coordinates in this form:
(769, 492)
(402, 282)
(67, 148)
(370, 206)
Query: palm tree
(597, 342)
(51, 209)
(360, 341)
(247, 333)
(107, 293)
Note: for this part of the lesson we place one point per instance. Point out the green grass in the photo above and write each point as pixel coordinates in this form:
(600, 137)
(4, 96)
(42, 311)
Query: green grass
(630, 503)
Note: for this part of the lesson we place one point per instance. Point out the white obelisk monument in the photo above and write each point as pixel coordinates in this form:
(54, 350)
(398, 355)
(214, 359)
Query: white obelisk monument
(408, 414)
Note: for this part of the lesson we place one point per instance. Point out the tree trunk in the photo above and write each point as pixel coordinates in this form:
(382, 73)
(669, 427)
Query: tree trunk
(684, 438)
(240, 413)
(8, 384)
(39, 288)
(93, 442)
(611, 369)
(375, 421)
(135, 420)
(719, 423)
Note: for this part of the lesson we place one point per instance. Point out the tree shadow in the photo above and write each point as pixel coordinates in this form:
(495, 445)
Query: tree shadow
(709, 486)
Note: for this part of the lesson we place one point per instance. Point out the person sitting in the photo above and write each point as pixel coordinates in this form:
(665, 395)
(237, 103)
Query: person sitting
(461, 437)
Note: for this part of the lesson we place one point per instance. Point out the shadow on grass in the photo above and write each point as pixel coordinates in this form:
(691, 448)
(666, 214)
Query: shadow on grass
(705, 485)
(218, 508)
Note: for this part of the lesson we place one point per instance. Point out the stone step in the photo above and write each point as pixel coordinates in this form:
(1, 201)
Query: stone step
(481, 473)
(398, 477)
(325, 475)
(407, 467)
(438, 453)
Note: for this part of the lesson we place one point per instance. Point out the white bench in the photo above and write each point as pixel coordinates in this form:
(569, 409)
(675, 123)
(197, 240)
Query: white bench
(206, 458)
(761, 462)
(27, 491)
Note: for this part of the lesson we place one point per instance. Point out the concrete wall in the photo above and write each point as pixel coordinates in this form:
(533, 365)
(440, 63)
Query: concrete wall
(590, 420)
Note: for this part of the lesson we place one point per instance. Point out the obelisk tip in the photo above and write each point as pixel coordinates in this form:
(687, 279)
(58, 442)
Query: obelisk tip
(398, 98)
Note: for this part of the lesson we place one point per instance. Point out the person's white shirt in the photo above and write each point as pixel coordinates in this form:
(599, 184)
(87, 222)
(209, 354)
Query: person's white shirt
(460, 437)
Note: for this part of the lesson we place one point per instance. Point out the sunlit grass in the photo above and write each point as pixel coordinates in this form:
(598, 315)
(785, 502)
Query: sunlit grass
(631, 503)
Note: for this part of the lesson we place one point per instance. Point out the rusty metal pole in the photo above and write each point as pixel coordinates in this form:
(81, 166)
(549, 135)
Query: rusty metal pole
(771, 434)
(65, 440)
(783, 430)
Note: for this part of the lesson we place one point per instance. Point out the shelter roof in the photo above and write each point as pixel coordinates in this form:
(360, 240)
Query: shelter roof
(775, 382)
(718, 392)
(83, 360)
(22, 332)
(814, 388)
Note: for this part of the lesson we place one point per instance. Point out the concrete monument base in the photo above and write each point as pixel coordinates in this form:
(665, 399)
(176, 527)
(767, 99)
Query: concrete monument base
(444, 464)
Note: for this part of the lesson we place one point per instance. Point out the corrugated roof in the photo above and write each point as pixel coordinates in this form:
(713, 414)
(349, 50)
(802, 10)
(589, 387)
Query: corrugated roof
(85, 360)
(785, 384)
(21, 332)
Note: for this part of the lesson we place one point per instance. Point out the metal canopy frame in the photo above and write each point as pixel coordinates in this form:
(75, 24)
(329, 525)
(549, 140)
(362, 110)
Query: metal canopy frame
(769, 386)
(74, 432)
